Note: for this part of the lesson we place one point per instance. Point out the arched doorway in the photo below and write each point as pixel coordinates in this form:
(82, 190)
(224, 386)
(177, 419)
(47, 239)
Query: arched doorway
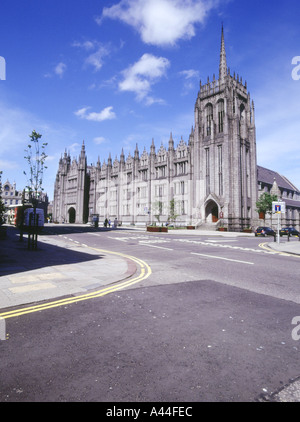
(72, 215)
(212, 212)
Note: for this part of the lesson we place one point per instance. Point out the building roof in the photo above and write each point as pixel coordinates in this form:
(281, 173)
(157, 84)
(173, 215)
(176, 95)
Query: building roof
(267, 176)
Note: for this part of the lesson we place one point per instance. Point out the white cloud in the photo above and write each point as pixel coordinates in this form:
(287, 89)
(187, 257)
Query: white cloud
(189, 76)
(160, 22)
(105, 114)
(60, 69)
(139, 77)
(190, 73)
(86, 45)
(99, 140)
(95, 58)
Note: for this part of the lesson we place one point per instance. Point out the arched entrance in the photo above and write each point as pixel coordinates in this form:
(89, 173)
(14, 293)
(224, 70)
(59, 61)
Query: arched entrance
(211, 212)
(72, 215)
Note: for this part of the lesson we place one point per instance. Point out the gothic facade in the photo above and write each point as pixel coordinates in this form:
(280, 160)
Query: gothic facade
(211, 179)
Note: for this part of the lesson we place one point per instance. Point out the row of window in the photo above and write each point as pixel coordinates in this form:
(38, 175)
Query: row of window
(160, 172)
(284, 193)
(158, 208)
(11, 193)
(180, 188)
(12, 202)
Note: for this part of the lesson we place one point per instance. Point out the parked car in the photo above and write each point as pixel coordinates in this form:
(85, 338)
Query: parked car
(289, 230)
(264, 231)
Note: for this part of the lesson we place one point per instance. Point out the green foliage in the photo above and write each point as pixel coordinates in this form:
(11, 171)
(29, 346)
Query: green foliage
(264, 204)
(172, 211)
(157, 209)
(35, 158)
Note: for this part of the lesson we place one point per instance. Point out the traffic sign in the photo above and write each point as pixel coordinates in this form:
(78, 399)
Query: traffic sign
(278, 207)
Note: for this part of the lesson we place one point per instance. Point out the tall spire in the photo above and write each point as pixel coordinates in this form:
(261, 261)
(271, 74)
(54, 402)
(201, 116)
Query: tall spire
(223, 63)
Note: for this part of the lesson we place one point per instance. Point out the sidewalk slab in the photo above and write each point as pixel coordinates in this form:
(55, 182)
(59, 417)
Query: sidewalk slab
(57, 268)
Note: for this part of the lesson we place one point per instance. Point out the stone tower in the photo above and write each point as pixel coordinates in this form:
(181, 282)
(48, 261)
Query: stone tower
(224, 150)
(71, 189)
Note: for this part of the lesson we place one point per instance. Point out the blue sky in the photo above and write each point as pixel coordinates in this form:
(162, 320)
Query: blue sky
(117, 73)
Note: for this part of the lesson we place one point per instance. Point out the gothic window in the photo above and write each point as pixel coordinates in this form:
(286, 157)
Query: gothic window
(160, 171)
(144, 174)
(160, 190)
(242, 112)
(182, 185)
(209, 119)
(242, 118)
(220, 164)
(207, 171)
(181, 168)
(248, 181)
(221, 116)
(183, 207)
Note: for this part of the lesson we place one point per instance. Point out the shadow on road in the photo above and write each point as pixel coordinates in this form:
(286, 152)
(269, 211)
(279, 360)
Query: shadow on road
(15, 256)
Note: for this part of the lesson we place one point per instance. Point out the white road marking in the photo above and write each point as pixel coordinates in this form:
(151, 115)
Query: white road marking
(221, 240)
(118, 238)
(158, 247)
(225, 259)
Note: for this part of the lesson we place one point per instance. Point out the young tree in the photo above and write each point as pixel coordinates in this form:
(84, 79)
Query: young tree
(35, 158)
(157, 210)
(172, 211)
(264, 204)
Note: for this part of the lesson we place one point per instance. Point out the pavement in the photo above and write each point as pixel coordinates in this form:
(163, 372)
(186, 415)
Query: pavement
(62, 268)
(57, 268)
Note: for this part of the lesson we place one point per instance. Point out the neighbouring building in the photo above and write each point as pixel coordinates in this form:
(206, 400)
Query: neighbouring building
(213, 178)
(12, 198)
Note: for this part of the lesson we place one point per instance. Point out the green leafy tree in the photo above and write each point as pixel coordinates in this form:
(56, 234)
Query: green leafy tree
(157, 210)
(172, 211)
(264, 204)
(35, 157)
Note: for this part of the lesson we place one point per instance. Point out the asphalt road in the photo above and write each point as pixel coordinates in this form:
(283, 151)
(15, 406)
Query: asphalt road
(213, 322)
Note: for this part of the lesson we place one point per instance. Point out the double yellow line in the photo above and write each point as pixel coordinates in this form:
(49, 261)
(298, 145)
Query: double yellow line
(267, 248)
(144, 273)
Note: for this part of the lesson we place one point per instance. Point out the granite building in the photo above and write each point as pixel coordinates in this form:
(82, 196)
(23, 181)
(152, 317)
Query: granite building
(212, 179)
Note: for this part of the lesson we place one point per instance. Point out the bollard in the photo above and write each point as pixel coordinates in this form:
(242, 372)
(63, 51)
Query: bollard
(288, 237)
(274, 237)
